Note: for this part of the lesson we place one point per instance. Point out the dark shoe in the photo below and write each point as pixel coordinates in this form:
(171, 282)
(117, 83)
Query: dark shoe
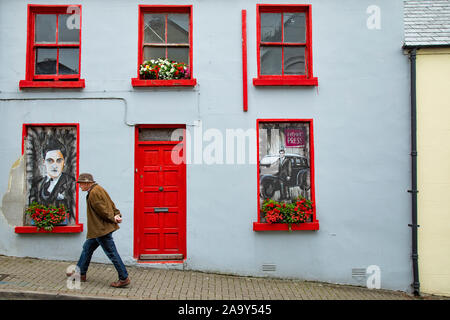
(82, 276)
(121, 283)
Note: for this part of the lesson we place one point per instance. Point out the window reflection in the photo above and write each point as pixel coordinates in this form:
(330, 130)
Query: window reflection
(45, 61)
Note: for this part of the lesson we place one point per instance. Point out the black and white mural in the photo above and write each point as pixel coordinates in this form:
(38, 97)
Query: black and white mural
(51, 166)
(284, 161)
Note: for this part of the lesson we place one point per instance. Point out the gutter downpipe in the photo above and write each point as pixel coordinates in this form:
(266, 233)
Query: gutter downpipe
(414, 226)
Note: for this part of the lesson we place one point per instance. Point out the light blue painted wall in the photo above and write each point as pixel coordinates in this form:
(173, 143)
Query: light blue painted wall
(361, 134)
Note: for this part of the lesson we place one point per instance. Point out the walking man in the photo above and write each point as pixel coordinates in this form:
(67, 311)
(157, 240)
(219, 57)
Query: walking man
(102, 220)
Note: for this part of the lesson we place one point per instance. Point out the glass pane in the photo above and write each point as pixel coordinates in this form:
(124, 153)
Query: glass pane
(178, 54)
(270, 60)
(294, 60)
(45, 28)
(154, 53)
(68, 30)
(45, 61)
(178, 28)
(154, 28)
(161, 134)
(68, 61)
(271, 27)
(294, 27)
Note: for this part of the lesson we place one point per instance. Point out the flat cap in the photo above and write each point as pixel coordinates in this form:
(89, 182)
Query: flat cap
(85, 177)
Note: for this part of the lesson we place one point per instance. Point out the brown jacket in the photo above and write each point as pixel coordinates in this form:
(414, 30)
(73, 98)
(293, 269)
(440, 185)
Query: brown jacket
(100, 213)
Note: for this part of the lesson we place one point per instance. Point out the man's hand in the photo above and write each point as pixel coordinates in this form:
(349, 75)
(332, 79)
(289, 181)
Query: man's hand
(118, 219)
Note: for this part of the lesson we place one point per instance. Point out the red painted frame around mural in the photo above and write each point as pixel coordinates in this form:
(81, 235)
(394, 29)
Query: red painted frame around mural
(314, 225)
(183, 193)
(138, 82)
(77, 227)
(286, 80)
(49, 81)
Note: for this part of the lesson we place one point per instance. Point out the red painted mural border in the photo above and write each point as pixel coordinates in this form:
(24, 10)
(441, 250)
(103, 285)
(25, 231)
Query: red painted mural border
(314, 225)
(78, 227)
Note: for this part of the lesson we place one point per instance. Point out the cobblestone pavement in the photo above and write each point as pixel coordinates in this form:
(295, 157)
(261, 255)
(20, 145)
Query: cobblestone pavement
(29, 278)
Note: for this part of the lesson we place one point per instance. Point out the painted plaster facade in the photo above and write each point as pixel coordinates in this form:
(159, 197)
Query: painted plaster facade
(361, 138)
(433, 96)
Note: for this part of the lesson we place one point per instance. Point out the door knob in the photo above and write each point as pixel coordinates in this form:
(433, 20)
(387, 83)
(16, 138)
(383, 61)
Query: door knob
(161, 188)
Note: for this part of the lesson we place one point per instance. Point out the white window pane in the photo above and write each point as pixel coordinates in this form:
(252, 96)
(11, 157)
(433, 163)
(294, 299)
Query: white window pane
(154, 28)
(178, 54)
(45, 28)
(271, 60)
(294, 60)
(178, 28)
(68, 31)
(294, 27)
(45, 61)
(271, 27)
(161, 134)
(68, 61)
(154, 53)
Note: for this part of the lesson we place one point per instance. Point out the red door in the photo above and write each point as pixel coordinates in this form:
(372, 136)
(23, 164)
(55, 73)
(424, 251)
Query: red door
(160, 202)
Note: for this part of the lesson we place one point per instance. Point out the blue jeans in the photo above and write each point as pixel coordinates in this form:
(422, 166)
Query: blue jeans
(108, 246)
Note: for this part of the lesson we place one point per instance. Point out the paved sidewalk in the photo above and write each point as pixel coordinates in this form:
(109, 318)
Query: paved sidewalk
(29, 278)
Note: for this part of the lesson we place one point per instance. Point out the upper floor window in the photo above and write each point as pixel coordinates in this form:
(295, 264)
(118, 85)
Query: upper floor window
(53, 46)
(284, 45)
(165, 32)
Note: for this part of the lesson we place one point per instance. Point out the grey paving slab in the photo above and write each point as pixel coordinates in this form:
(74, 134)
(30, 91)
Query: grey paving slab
(29, 278)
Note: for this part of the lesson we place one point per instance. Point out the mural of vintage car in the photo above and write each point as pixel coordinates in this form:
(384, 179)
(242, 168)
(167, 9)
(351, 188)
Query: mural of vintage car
(283, 175)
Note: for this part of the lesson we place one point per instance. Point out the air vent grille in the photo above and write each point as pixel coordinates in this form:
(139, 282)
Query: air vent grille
(269, 267)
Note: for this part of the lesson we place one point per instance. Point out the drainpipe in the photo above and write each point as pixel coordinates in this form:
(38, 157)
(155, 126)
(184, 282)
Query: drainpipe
(414, 226)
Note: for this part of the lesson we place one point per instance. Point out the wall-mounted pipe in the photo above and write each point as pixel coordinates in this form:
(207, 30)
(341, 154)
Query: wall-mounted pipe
(414, 226)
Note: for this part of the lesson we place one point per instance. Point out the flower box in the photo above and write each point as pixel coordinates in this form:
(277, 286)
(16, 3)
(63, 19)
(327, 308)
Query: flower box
(62, 223)
(163, 73)
(47, 218)
(286, 215)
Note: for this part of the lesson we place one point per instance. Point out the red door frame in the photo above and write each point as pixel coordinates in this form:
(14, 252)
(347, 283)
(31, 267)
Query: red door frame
(137, 217)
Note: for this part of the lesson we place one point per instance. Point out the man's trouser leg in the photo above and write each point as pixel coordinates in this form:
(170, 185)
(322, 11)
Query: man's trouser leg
(110, 250)
(89, 247)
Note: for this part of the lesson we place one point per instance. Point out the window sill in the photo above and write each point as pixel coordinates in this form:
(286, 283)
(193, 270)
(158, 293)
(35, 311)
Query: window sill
(285, 81)
(25, 84)
(77, 228)
(257, 226)
(136, 82)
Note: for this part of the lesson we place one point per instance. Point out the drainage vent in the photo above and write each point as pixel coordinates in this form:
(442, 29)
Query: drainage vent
(359, 272)
(269, 267)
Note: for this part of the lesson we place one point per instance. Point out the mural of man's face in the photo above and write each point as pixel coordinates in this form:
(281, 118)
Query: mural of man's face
(54, 163)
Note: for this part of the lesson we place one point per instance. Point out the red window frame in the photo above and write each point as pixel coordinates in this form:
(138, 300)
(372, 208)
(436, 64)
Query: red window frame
(77, 227)
(143, 9)
(291, 80)
(314, 224)
(33, 80)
